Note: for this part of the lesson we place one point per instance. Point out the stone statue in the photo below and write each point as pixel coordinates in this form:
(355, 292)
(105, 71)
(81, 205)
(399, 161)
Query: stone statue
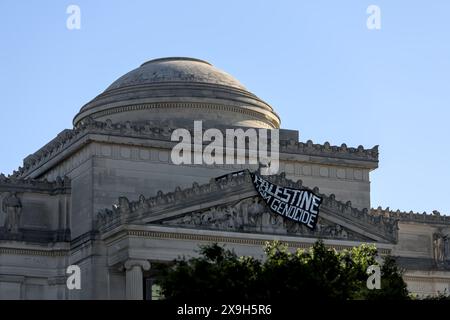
(440, 242)
(12, 207)
(255, 210)
(124, 205)
(446, 247)
(340, 232)
(263, 167)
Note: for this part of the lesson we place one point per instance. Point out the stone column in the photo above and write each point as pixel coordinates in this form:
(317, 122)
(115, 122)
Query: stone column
(134, 279)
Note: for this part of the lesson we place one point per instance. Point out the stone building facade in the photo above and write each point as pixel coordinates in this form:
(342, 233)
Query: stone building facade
(106, 196)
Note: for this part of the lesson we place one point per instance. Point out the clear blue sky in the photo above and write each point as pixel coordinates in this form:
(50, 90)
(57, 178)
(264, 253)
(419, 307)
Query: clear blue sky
(316, 62)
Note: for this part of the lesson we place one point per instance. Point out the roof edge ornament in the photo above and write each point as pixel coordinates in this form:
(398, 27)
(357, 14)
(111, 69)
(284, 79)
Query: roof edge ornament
(435, 217)
(162, 130)
(126, 211)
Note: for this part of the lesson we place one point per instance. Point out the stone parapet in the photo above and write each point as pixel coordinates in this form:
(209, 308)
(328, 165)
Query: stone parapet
(15, 184)
(434, 218)
(162, 131)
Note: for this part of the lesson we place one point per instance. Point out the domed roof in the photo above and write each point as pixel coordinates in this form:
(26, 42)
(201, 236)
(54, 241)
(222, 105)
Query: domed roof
(182, 90)
(176, 70)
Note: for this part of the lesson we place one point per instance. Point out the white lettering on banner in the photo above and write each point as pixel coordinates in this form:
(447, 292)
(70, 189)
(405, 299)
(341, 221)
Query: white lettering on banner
(295, 204)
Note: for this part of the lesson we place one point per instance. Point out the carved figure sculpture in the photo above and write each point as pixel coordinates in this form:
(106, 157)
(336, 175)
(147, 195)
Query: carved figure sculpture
(12, 207)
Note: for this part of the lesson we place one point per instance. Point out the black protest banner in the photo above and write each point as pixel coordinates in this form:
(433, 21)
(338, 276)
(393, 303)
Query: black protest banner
(299, 205)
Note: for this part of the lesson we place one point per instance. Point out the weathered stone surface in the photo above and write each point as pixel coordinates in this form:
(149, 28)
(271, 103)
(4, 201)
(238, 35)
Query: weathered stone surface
(180, 89)
(106, 192)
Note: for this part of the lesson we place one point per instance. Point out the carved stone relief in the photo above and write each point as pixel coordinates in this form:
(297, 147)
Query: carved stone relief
(252, 215)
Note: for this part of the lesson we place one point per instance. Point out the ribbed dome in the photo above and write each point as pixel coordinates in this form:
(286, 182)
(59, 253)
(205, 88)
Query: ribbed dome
(182, 90)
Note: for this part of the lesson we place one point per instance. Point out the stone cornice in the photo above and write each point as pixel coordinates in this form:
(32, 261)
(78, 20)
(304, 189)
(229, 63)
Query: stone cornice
(170, 233)
(434, 218)
(33, 252)
(327, 150)
(267, 115)
(126, 211)
(13, 184)
(425, 278)
(162, 131)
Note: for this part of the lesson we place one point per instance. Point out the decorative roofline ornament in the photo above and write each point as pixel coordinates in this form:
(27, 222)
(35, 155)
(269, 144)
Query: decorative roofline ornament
(435, 217)
(148, 207)
(162, 130)
(13, 183)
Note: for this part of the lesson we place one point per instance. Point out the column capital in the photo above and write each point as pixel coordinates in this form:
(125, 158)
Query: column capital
(131, 263)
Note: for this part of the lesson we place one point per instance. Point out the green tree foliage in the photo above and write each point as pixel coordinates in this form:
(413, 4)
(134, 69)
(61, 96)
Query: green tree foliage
(318, 273)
